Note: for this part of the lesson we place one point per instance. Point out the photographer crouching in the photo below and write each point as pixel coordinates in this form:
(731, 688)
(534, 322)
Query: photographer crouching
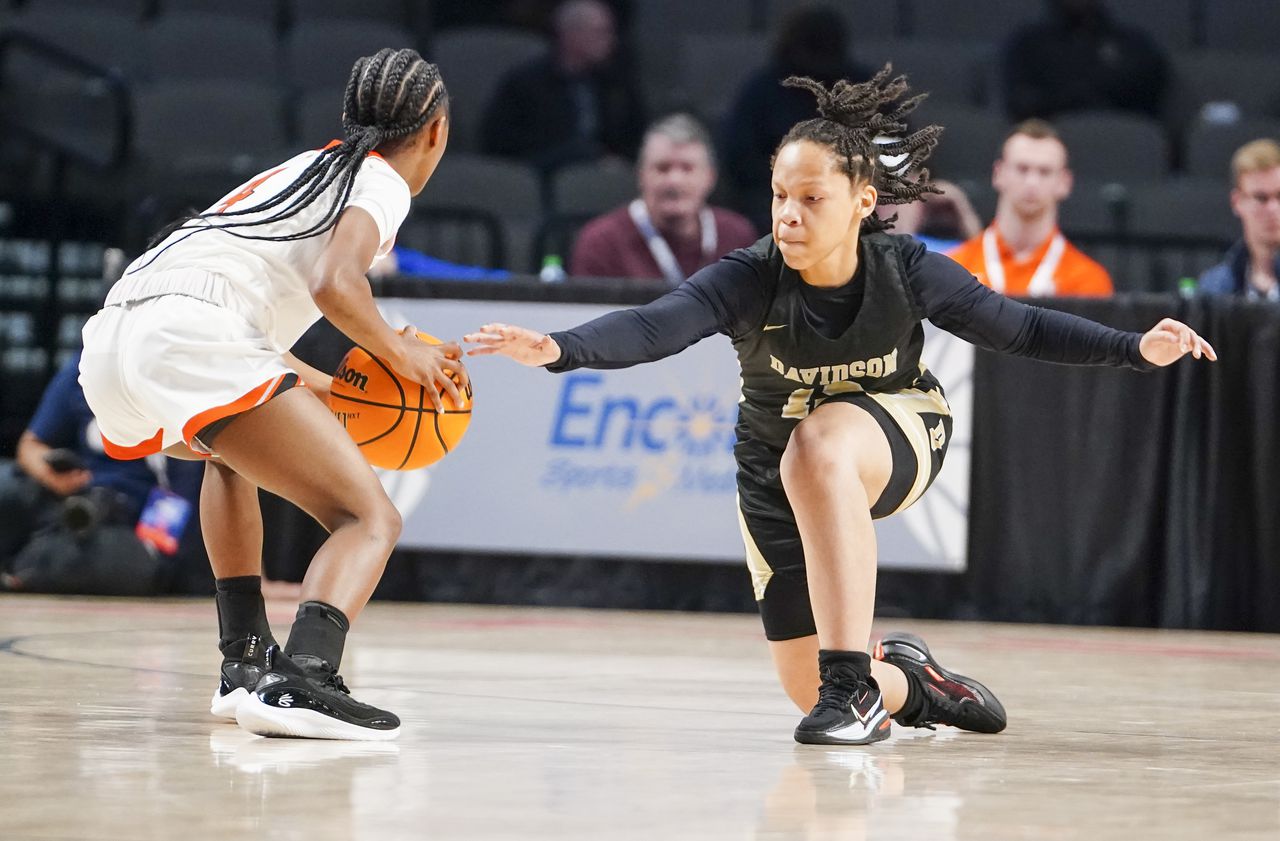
(74, 520)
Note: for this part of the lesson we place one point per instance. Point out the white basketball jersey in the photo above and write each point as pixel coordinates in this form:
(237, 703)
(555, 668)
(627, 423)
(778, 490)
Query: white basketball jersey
(265, 281)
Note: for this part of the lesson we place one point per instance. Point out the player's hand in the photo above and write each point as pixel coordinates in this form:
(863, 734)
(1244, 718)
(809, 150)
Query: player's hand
(528, 347)
(66, 483)
(1170, 340)
(430, 365)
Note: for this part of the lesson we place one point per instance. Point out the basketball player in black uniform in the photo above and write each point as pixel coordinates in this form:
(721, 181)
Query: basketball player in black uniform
(840, 423)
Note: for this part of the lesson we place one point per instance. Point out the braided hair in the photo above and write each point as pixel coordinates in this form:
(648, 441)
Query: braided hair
(389, 96)
(860, 123)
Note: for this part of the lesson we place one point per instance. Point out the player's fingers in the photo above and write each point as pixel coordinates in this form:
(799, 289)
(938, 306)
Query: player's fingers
(450, 388)
(487, 338)
(450, 349)
(434, 394)
(409, 330)
(460, 372)
(484, 350)
(1207, 349)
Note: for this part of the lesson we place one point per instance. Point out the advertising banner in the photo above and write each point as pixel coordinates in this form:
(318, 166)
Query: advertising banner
(635, 462)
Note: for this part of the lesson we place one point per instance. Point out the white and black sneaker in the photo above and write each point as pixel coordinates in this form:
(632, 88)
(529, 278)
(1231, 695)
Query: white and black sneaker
(311, 703)
(849, 709)
(244, 662)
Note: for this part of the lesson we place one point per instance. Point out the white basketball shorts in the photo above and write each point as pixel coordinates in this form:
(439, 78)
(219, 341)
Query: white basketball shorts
(158, 371)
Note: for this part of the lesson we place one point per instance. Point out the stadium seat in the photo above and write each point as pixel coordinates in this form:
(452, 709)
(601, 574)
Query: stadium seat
(1171, 23)
(321, 54)
(1094, 208)
(659, 19)
(1105, 145)
(263, 11)
(952, 72)
(866, 19)
(317, 118)
(473, 61)
(990, 21)
(970, 142)
(135, 9)
(1210, 146)
(656, 29)
(1195, 208)
(465, 236)
(592, 188)
(713, 67)
(474, 184)
(109, 39)
(394, 12)
(209, 119)
(1246, 25)
(1250, 80)
(245, 49)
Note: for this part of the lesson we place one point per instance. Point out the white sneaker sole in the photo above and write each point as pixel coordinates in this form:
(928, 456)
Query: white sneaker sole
(225, 706)
(266, 720)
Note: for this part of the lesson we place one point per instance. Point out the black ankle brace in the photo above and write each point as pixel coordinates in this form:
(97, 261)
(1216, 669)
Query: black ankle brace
(320, 630)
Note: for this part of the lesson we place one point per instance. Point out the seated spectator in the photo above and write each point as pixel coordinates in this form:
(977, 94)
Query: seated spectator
(1078, 57)
(576, 104)
(940, 221)
(669, 231)
(63, 494)
(1251, 267)
(1022, 252)
(811, 42)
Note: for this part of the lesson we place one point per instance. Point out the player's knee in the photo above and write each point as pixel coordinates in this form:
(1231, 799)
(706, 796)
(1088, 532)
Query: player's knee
(381, 519)
(814, 452)
(388, 523)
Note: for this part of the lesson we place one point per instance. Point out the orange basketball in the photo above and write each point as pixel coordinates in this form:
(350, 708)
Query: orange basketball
(390, 417)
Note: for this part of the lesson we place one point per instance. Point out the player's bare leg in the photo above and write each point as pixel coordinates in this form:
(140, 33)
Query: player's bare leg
(293, 447)
(835, 467)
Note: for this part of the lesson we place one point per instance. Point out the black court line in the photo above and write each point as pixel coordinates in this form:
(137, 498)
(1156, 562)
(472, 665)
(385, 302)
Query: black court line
(430, 409)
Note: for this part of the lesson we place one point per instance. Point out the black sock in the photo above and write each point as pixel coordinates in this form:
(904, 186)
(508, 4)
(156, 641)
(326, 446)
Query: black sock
(858, 661)
(914, 705)
(241, 611)
(320, 630)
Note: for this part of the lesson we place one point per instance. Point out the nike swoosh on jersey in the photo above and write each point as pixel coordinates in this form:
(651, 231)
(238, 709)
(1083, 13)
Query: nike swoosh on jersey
(768, 327)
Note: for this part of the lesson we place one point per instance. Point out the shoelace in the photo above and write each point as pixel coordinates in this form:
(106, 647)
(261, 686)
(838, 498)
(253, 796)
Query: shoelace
(838, 685)
(334, 681)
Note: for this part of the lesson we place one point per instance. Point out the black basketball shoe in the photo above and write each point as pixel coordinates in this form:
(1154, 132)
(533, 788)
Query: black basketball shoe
(947, 698)
(244, 662)
(310, 703)
(849, 709)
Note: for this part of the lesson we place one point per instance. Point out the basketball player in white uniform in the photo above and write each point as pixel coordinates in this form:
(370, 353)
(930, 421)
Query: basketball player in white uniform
(189, 356)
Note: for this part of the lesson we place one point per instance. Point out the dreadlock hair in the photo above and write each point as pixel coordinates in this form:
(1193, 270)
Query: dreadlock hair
(861, 123)
(390, 95)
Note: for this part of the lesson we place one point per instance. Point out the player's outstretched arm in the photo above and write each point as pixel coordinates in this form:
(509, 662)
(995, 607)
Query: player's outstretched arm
(1170, 340)
(528, 347)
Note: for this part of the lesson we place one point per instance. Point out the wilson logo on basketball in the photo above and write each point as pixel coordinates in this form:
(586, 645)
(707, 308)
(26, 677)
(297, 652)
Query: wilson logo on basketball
(352, 377)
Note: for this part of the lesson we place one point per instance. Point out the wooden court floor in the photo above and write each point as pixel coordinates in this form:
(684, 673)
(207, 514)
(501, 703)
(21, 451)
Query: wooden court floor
(554, 724)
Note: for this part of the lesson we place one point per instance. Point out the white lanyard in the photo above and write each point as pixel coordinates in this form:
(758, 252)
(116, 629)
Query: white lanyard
(1254, 294)
(159, 464)
(658, 247)
(1041, 280)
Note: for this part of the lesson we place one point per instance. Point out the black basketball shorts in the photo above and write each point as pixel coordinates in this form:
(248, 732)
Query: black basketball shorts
(918, 426)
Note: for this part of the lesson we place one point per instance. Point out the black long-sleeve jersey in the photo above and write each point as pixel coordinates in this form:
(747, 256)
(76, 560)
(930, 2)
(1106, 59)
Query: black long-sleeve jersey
(798, 343)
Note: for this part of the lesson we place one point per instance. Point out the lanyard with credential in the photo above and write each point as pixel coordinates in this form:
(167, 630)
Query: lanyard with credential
(658, 247)
(1041, 283)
